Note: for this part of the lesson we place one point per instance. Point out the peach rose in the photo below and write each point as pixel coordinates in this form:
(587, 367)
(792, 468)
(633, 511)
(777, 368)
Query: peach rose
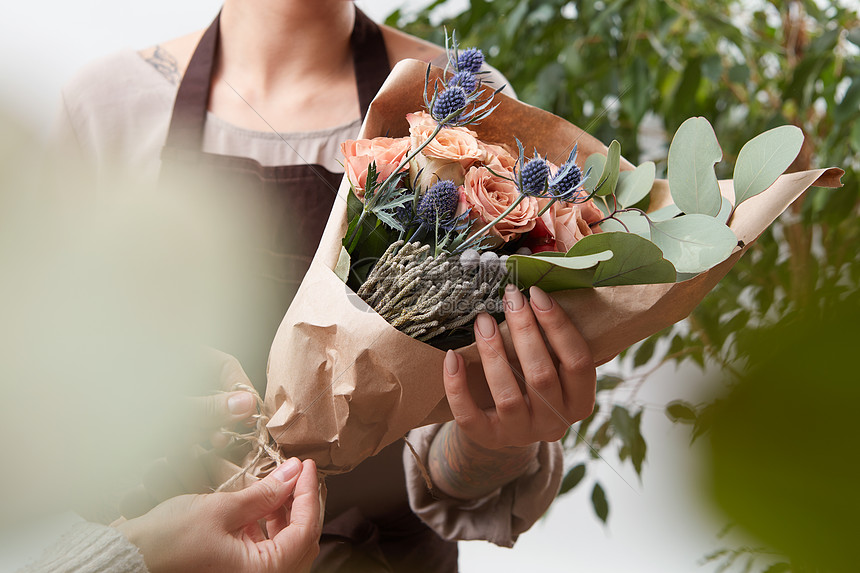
(385, 151)
(451, 144)
(498, 159)
(568, 222)
(489, 196)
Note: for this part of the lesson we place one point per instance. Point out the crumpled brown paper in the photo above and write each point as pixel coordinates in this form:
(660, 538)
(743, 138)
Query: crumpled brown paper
(343, 383)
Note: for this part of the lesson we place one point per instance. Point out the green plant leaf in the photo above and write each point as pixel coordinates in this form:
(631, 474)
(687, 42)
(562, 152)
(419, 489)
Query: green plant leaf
(595, 162)
(693, 243)
(725, 211)
(665, 213)
(635, 260)
(692, 155)
(633, 186)
(680, 411)
(763, 159)
(609, 177)
(554, 271)
(572, 478)
(628, 222)
(598, 500)
(607, 382)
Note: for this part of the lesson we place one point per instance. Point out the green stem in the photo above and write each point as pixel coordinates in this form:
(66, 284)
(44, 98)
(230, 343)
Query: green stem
(492, 223)
(548, 205)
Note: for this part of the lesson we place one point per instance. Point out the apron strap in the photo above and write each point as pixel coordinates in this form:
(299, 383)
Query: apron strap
(369, 56)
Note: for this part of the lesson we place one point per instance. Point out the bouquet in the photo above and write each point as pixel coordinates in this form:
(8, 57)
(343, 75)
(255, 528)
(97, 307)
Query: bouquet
(441, 206)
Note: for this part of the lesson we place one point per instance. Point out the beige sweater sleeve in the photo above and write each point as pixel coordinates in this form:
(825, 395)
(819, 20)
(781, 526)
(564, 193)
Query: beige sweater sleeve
(499, 517)
(90, 548)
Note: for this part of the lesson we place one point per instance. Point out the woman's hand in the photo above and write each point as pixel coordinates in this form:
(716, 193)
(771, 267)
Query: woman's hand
(554, 398)
(221, 531)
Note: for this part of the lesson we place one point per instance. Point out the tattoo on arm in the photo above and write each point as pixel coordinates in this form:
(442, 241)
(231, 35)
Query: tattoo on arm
(164, 62)
(462, 469)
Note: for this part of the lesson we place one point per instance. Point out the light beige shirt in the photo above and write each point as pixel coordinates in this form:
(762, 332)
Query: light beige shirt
(114, 116)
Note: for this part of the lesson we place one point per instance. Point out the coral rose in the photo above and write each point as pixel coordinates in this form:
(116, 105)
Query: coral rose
(359, 154)
(568, 222)
(498, 159)
(489, 196)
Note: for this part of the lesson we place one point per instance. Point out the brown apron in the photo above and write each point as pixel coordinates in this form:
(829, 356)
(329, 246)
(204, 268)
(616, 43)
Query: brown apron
(369, 526)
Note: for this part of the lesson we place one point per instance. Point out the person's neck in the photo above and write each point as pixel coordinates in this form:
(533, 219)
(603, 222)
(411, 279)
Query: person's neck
(267, 43)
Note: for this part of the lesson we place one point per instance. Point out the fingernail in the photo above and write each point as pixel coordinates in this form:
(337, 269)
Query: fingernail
(540, 299)
(486, 325)
(451, 363)
(287, 470)
(240, 403)
(514, 297)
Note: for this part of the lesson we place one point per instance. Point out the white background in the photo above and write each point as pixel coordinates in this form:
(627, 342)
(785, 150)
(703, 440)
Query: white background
(661, 524)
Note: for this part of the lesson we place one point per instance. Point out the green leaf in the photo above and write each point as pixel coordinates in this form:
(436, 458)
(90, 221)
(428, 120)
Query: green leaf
(598, 500)
(602, 205)
(692, 155)
(595, 162)
(781, 567)
(645, 352)
(725, 211)
(635, 260)
(763, 159)
(623, 423)
(608, 382)
(341, 269)
(609, 177)
(628, 222)
(554, 272)
(693, 243)
(665, 213)
(633, 186)
(572, 478)
(680, 411)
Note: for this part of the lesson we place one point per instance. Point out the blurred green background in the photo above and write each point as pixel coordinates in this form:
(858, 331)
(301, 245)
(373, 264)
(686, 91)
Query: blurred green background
(779, 330)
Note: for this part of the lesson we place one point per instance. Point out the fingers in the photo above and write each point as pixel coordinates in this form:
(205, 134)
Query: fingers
(264, 497)
(542, 382)
(466, 412)
(576, 364)
(301, 536)
(510, 404)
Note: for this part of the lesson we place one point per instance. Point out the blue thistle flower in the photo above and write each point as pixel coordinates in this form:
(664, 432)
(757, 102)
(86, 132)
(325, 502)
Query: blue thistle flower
(451, 100)
(439, 203)
(465, 80)
(470, 60)
(534, 176)
(566, 181)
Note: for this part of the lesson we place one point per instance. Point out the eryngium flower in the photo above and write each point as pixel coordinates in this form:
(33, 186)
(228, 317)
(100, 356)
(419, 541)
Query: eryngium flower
(566, 182)
(534, 176)
(465, 80)
(470, 60)
(451, 101)
(439, 203)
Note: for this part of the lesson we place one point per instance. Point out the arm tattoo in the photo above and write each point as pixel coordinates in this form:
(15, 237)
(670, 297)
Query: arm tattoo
(462, 469)
(164, 62)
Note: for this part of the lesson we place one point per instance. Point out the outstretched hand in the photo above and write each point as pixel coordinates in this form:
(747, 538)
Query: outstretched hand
(555, 396)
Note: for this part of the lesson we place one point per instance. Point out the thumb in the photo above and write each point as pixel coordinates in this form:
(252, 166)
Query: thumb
(224, 409)
(263, 497)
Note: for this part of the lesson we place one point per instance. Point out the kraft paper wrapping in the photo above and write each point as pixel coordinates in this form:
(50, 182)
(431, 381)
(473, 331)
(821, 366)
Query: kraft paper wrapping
(343, 383)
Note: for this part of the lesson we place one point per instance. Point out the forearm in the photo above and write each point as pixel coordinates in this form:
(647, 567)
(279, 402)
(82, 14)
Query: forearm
(462, 469)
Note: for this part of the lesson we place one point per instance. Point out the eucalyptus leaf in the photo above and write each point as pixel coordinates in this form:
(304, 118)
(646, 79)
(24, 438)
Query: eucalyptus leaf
(692, 155)
(341, 269)
(628, 222)
(608, 179)
(553, 272)
(665, 213)
(635, 260)
(602, 205)
(725, 211)
(633, 186)
(693, 243)
(763, 159)
(595, 162)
